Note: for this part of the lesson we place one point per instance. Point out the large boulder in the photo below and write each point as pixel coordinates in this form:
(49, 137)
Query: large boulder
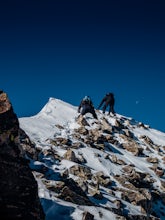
(18, 187)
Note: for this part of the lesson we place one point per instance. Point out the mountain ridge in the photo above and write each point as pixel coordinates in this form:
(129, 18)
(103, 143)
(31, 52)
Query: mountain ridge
(115, 164)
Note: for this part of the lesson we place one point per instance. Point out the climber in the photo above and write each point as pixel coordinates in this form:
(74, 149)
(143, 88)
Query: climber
(108, 100)
(86, 106)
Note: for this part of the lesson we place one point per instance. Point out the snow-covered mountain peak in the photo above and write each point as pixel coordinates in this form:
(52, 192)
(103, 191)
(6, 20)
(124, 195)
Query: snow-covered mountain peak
(58, 108)
(110, 168)
(55, 112)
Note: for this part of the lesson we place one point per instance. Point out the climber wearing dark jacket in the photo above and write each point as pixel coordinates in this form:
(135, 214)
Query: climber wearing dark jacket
(86, 106)
(108, 100)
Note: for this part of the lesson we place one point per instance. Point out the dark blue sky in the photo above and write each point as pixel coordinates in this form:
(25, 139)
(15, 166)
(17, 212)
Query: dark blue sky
(67, 49)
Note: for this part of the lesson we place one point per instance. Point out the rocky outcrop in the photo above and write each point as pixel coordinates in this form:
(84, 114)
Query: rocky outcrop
(79, 184)
(18, 187)
(101, 166)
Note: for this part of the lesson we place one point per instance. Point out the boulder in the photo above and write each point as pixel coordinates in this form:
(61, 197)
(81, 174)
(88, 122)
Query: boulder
(18, 187)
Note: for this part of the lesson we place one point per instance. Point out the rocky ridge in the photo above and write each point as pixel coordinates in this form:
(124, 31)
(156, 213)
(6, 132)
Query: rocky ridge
(18, 187)
(63, 164)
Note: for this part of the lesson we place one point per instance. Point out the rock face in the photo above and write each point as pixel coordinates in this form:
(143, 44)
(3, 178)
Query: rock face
(18, 187)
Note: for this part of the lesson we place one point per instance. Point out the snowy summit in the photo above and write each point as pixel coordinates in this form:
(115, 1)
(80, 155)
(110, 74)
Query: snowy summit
(110, 168)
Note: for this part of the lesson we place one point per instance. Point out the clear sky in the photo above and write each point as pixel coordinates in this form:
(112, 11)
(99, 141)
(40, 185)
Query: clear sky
(70, 48)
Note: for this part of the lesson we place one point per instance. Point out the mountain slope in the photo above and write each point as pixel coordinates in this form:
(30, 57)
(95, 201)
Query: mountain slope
(110, 168)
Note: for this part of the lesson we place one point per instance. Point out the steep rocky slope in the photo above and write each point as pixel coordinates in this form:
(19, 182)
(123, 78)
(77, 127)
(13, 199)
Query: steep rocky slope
(110, 168)
(18, 187)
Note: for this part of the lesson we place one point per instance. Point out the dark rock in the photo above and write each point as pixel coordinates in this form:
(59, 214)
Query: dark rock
(87, 216)
(71, 192)
(18, 187)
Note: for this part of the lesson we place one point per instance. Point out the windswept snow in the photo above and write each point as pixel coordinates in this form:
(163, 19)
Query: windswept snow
(43, 125)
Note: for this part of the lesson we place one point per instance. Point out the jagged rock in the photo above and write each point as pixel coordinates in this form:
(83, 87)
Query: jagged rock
(120, 179)
(133, 147)
(133, 179)
(129, 185)
(96, 136)
(110, 138)
(141, 217)
(77, 145)
(94, 132)
(87, 216)
(88, 140)
(52, 154)
(9, 126)
(114, 159)
(59, 126)
(97, 146)
(61, 141)
(81, 130)
(100, 179)
(18, 188)
(77, 136)
(152, 160)
(101, 139)
(83, 184)
(128, 133)
(71, 192)
(28, 147)
(142, 125)
(81, 171)
(159, 172)
(118, 204)
(55, 186)
(139, 180)
(107, 131)
(119, 125)
(147, 140)
(94, 192)
(5, 104)
(120, 218)
(163, 186)
(127, 123)
(70, 155)
(128, 169)
(82, 121)
(124, 137)
(81, 159)
(136, 197)
(106, 127)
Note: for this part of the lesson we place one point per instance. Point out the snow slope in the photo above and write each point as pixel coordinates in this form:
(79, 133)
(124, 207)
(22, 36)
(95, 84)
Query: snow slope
(59, 119)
